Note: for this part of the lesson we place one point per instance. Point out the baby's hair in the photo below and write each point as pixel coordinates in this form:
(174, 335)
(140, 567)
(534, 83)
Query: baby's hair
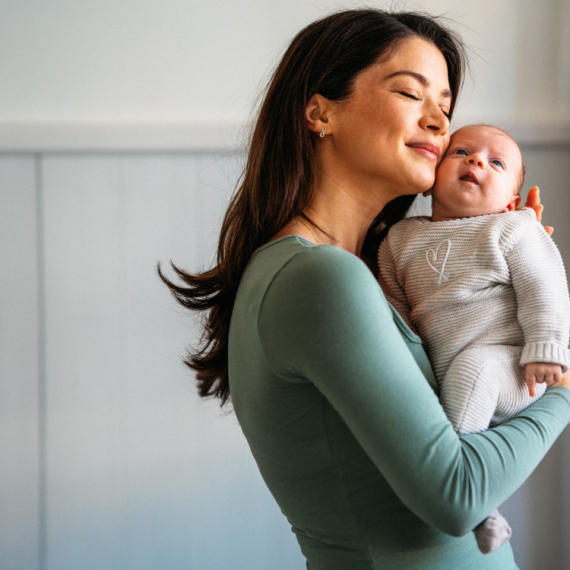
(523, 167)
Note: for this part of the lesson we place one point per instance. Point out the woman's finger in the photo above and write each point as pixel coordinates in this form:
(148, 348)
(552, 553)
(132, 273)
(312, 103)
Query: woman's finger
(533, 201)
(538, 208)
(533, 198)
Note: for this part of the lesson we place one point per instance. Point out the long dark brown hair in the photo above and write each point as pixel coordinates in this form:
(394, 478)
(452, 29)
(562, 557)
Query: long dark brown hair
(277, 182)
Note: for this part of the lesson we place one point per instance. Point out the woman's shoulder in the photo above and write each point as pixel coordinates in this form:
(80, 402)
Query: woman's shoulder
(326, 263)
(299, 254)
(294, 265)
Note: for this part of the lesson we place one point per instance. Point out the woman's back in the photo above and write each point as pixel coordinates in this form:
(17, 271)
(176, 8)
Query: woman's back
(344, 427)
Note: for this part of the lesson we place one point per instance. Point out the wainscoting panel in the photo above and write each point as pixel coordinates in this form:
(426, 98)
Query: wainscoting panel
(20, 365)
(141, 474)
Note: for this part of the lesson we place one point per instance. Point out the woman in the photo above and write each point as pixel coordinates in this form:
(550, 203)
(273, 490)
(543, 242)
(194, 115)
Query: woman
(328, 383)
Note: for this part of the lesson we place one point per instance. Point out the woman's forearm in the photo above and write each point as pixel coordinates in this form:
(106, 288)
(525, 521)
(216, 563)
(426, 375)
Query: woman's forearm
(325, 319)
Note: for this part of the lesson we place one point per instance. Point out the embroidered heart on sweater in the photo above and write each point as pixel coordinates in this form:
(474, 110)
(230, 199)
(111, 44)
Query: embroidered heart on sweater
(435, 256)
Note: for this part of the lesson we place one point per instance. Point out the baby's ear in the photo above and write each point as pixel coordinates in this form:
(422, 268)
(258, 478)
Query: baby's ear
(513, 204)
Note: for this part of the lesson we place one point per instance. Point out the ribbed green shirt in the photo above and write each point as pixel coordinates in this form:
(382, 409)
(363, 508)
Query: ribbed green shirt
(338, 403)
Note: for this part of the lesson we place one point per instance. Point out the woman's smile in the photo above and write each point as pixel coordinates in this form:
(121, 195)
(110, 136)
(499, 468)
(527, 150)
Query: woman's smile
(430, 150)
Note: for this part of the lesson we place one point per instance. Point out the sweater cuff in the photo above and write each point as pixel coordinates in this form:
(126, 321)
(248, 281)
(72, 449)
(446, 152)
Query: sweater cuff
(546, 352)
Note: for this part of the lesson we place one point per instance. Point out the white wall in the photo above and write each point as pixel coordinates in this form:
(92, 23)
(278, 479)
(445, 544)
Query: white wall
(181, 64)
(109, 458)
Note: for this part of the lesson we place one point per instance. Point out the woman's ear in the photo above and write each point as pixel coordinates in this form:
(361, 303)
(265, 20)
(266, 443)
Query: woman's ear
(316, 114)
(513, 204)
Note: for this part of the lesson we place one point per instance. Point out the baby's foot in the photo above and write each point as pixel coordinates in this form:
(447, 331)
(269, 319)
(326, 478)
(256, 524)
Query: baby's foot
(492, 533)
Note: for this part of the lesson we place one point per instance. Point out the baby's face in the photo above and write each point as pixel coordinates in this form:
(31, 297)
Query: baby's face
(479, 174)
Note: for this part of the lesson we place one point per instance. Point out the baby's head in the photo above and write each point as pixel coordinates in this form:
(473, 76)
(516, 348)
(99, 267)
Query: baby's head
(482, 172)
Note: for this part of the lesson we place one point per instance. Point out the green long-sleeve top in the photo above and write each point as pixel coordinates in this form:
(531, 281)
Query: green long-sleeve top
(338, 403)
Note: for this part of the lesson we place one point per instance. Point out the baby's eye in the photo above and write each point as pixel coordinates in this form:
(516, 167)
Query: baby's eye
(461, 151)
(498, 163)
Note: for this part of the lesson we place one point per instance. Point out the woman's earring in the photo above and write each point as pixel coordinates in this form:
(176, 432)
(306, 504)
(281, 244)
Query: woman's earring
(322, 133)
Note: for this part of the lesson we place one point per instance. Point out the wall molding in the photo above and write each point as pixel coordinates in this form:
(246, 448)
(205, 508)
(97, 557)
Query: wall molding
(209, 137)
(116, 137)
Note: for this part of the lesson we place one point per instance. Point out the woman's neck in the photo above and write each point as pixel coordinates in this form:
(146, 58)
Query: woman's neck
(342, 214)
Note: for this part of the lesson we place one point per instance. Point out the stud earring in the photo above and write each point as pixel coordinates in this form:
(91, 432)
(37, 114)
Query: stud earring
(322, 133)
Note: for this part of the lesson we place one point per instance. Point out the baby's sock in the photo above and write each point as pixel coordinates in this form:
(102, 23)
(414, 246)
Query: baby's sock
(492, 533)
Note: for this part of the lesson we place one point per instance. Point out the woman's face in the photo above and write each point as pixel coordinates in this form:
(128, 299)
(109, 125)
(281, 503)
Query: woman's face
(393, 131)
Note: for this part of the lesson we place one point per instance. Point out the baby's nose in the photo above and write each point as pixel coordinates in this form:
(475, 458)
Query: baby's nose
(476, 161)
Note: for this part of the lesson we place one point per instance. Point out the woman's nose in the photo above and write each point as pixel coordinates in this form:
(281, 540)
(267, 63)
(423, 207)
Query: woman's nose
(435, 120)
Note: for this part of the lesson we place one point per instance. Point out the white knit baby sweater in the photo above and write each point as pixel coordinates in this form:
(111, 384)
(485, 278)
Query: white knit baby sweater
(493, 279)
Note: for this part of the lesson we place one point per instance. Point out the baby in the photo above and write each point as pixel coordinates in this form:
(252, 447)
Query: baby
(485, 288)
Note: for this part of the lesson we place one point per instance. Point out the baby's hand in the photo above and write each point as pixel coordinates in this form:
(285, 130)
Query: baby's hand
(541, 372)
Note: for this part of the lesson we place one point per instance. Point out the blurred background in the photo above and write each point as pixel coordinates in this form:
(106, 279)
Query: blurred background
(122, 126)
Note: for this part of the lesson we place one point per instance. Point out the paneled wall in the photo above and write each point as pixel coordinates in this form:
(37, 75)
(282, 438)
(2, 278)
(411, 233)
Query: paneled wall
(109, 459)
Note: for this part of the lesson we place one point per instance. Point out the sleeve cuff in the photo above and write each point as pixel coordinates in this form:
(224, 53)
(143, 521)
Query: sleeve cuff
(546, 352)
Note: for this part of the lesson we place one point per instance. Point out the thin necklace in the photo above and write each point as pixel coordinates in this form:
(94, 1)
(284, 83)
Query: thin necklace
(312, 232)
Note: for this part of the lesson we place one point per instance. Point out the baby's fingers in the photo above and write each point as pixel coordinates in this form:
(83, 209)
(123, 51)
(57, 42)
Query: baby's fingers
(552, 378)
(548, 379)
(530, 380)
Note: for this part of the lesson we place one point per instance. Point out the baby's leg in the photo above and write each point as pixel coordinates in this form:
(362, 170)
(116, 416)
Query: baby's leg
(470, 391)
(483, 386)
(513, 395)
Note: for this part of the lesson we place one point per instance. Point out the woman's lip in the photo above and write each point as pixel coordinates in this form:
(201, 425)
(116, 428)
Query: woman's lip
(427, 149)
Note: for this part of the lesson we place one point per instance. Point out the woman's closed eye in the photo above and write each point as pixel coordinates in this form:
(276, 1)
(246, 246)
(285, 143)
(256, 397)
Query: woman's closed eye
(410, 95)
(416, 98)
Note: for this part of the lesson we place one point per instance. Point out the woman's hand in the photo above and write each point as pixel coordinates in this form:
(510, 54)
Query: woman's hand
(533, 201)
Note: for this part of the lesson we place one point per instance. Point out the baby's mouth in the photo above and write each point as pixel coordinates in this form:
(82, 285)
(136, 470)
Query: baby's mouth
(470, 177)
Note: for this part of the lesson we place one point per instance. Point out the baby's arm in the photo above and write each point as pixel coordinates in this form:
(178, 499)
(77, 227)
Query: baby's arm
(537, 372)
(388, 279)
(543, 305)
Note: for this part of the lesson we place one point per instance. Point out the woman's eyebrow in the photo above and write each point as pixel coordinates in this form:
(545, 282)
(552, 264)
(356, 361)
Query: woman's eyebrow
(419, 77)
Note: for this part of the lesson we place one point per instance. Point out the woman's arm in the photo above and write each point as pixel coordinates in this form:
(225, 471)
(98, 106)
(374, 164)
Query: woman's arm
(325, 318)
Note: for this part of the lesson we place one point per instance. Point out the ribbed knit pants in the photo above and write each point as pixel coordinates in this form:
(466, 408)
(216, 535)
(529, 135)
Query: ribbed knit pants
(484, 386)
